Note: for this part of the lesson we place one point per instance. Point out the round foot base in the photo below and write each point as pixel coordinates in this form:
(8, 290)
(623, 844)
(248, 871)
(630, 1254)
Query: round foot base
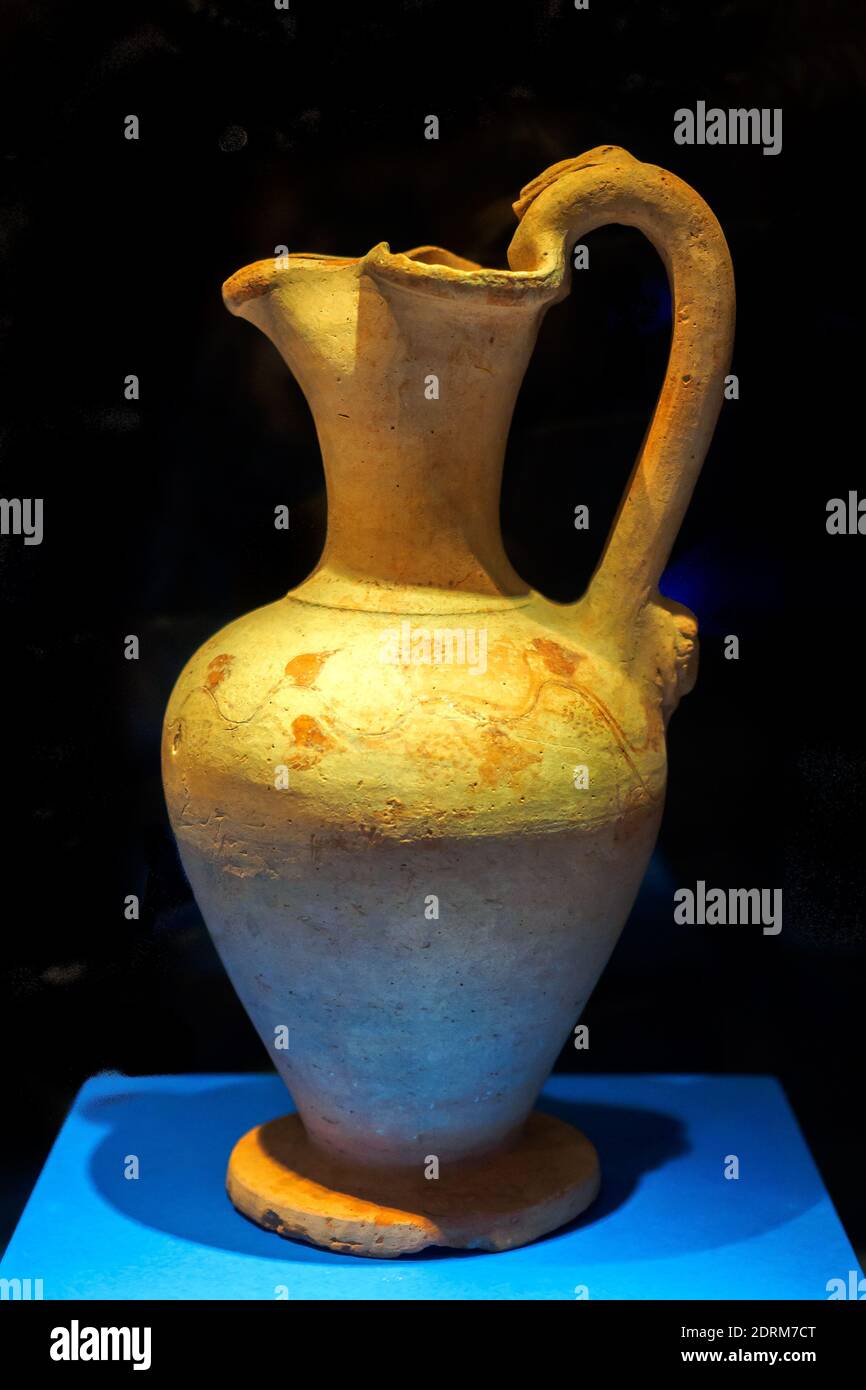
(277, 1179)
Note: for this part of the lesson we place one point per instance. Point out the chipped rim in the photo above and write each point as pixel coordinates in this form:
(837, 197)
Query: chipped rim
(432, 269)
(424, 269)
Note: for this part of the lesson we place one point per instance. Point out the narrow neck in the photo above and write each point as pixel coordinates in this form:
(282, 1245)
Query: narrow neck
(414, 500)
(412, 387)
(413, 439)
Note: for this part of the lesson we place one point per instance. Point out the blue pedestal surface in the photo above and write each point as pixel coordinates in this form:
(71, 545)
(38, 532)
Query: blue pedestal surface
(668, 1223)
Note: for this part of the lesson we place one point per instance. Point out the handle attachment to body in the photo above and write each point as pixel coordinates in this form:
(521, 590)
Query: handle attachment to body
(557, 209)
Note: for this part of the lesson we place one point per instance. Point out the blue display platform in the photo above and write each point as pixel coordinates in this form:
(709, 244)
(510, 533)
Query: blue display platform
(667, 1224)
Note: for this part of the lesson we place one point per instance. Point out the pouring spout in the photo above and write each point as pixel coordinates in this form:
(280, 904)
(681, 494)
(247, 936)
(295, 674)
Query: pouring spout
(306, 304)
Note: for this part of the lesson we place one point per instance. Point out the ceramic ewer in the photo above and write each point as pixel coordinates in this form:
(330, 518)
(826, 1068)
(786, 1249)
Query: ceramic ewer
(371, 780)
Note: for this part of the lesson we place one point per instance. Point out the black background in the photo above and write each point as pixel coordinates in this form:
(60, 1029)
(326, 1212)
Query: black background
(261, 127)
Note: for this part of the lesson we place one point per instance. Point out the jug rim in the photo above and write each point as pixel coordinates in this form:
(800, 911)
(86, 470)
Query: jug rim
(424, 269)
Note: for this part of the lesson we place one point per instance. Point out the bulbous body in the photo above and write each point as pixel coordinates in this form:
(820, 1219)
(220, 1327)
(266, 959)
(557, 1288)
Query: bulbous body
(414, 799)
(401, 863)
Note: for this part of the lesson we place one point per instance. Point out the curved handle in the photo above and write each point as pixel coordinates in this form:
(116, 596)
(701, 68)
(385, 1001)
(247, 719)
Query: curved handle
(556, 209)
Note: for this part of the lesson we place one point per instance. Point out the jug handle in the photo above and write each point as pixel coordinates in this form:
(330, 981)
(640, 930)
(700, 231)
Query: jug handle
(558, 208)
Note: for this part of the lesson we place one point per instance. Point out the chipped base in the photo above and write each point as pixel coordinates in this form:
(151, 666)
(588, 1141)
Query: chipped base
(279, 1180)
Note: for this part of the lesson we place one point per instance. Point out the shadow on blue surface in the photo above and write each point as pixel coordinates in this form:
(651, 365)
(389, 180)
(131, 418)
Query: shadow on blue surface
(183, 1143)
(630, 1144)
(184, 1191)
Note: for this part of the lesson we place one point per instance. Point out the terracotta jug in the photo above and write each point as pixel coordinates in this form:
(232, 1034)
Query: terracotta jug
(414, 799)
